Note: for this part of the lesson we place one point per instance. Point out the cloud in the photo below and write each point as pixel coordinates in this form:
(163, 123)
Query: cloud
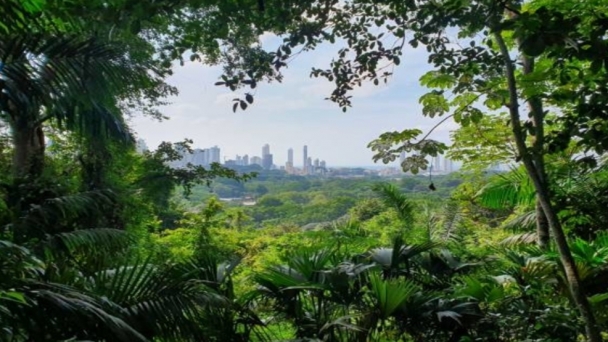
(293, 113)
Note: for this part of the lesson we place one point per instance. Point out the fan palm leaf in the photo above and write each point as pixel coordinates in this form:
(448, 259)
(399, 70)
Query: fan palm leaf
(392, 259)
(387, 295)
(54, 310)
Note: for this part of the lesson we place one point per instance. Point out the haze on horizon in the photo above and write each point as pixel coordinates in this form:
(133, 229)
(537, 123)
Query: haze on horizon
(293, 113)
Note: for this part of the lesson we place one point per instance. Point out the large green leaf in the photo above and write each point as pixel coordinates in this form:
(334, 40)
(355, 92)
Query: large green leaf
(389, 294)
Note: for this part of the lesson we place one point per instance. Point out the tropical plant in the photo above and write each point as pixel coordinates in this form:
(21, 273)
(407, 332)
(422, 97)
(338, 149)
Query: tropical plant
(99, 296)
(395, 199)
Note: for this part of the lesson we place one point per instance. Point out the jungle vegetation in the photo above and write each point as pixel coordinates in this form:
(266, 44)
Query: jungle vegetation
(101, 243)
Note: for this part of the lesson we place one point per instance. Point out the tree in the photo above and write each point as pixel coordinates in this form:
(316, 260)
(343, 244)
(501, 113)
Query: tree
(562, 64)
(69, 80)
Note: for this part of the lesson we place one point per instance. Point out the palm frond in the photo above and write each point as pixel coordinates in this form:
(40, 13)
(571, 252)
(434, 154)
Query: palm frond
(451, 219)
(69, 79)
(525, 221)
(98, 239)
(156, 301)
(395, 199)
(59, 214)
(508, 190)
(60, 312)
(519, 239)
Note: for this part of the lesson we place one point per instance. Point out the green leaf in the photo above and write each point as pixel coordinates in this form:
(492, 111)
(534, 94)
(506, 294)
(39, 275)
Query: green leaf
(438, 80)
(434, 104)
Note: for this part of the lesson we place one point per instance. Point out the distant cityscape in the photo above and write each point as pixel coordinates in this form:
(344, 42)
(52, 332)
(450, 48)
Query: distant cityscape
(207, 156)
(307, 166)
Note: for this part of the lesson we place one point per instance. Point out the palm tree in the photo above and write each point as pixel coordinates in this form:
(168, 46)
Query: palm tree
(109, 295)
(330, 297)
(72, 81)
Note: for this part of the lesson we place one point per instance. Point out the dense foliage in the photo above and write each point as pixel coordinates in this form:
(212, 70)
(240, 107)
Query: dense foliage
(99, 242)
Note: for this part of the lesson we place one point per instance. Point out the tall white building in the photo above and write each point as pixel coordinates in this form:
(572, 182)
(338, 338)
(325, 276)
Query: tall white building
(265, 150)
(448, 165)
(256, 160)
(213, 155)
(305, 160)
(198, 157)
(309, 168)
(290, 156)
(437, 163)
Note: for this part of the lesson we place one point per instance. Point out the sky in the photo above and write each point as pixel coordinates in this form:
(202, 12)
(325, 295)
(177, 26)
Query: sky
(293, 113)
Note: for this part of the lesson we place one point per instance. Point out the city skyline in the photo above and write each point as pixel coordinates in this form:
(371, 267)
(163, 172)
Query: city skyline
(309, 166)
(293, 113)
(439, 162)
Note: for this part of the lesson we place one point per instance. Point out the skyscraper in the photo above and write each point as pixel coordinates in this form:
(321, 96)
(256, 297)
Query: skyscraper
(267, 161)
(265, 150)
(213, 155)
(246, 160)
(448, 166)
(437, 163)
(198, 157)
(305, 160)
(255, 160)
(290, 156)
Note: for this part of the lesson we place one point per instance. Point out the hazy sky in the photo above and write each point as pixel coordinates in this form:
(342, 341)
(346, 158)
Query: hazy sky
(292, 113)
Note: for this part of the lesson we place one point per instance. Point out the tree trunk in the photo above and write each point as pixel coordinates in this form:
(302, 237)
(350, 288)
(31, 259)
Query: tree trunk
(533, 162)
(542, 227)
(28, 156)
(572, 276)
(537, 115)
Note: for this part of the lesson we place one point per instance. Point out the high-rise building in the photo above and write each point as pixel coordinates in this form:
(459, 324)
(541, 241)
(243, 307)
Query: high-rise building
(245, 160)
(437, 163)
(265, 150)
(323, 165)
(290, 156)
(213, 155)
(448, 165)
(316, 163)
(309, 168)
(289, 168)
(198, 157)
(267, 161)
(305, 159)
(255, 160)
